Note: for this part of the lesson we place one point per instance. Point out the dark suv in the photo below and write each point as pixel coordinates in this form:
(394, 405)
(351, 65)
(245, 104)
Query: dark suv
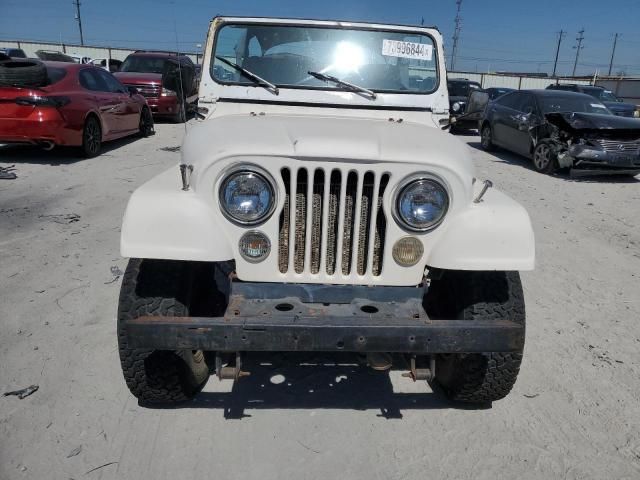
(613, 103)
(459, 90)
(167, 80)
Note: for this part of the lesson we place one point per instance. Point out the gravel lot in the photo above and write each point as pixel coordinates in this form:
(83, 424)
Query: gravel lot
(574, 413)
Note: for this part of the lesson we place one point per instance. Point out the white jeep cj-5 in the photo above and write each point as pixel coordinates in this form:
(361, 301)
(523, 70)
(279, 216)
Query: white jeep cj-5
(320, 207)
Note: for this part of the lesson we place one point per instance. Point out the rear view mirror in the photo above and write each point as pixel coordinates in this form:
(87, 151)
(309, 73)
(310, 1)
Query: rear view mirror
(477, 102)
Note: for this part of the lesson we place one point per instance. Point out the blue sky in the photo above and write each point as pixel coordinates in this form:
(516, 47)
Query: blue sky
(496, 34)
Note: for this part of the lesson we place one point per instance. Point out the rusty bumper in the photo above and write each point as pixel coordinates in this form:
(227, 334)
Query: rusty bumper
(273, 317)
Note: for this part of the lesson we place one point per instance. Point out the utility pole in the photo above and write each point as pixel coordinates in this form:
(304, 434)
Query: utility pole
(456, 35)
(561, 34)
(613, 52)
(578, 47)
(77, 4)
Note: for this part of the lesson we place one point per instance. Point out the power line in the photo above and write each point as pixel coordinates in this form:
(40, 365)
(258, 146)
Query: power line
(578, 47)
(77, 4)
(613, 52)
(456, 34)
(561, 34)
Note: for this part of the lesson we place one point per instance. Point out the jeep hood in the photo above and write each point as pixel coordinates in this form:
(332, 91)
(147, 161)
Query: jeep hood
(594, 122)
(329, 138)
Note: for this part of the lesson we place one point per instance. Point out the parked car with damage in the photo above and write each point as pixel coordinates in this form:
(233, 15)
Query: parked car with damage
(67, 104)
(459, 91)
(563, 130)
(320, 207)
(166, 79)
(616, 105)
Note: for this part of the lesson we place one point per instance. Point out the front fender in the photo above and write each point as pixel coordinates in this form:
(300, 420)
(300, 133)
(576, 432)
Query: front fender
(495, 234)
(162, 221)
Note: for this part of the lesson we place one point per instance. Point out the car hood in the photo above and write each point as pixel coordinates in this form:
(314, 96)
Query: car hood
(331, 138)
(138, 77)
(594, 122)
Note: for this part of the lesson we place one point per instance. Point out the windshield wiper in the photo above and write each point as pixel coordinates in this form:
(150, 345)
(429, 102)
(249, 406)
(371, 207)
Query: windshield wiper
(349, 86)
(259, 80)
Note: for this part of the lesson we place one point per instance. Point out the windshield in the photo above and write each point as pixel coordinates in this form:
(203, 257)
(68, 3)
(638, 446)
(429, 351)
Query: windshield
(143, 64)
(607, 96)
(398, 62)
(573, 103)
(461, 89)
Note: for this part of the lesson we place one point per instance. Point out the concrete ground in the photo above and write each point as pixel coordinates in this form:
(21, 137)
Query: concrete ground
(573, 414)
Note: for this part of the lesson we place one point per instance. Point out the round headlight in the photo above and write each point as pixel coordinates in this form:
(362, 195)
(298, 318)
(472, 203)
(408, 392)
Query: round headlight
(247, 197)
(455, 107)
(421, 204)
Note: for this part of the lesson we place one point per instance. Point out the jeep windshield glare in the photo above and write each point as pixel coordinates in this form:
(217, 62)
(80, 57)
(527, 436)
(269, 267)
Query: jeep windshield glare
(313, 57)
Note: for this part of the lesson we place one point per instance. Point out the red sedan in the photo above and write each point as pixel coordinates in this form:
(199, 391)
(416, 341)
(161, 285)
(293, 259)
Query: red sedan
(77, 105)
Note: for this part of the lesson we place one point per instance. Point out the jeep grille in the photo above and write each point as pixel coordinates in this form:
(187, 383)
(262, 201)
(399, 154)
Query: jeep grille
(338, 223)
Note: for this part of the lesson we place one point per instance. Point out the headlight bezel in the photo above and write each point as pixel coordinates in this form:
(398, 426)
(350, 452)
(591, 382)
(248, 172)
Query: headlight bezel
(404, 185)
(247, 168)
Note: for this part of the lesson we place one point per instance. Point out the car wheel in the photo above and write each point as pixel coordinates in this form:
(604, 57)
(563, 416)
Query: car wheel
(146, 122)
(158, 288)
(479, 377)
(544, 158)
(486, 141)
(91, 137)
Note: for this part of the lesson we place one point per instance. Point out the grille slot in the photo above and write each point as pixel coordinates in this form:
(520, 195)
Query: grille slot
(283, 240)
(332, 222)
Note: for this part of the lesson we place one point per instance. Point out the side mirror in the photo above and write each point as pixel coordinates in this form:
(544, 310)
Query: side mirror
(132, 90)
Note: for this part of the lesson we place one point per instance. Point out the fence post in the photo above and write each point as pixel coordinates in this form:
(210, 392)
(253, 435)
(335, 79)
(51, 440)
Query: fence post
(482, 80)
(519, 83)
(64, 48)
(109, 53)
(18, 42)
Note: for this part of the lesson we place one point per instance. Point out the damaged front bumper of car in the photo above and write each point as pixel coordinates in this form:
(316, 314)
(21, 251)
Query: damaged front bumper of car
(327, 318)
(584, 159)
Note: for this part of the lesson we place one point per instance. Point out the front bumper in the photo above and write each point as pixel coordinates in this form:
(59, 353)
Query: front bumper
(163, 105)
(601, 161)
(328, 318)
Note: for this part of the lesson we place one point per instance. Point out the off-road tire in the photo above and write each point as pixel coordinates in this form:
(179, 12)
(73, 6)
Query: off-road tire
(485, 377)
(548, 151)
(23, 73)
(486, 138)
(159, 287)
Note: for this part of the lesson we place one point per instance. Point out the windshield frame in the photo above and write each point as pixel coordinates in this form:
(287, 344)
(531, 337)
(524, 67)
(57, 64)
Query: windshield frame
(322, 25)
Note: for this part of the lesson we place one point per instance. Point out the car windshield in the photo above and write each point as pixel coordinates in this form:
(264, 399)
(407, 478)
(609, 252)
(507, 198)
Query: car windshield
(498, 92)
(143, 64)
(388, 61)
(572, 103)
(461, 89)
(55, 74)
(607, 96)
